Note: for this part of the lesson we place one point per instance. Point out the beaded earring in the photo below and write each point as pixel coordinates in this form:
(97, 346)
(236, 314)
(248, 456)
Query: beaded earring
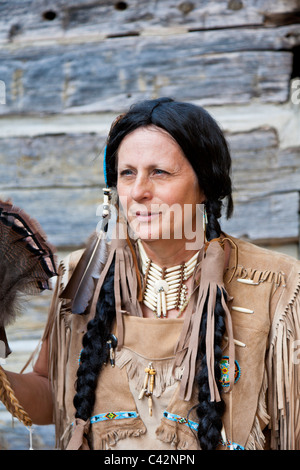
(106, 194)
(205, 220)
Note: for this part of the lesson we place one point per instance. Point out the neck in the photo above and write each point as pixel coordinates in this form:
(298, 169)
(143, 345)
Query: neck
(168, 254)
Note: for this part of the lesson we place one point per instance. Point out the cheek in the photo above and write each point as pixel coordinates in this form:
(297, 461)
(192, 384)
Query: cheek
(189, 193)
(122, 190)
(123, 197)
(195, 190)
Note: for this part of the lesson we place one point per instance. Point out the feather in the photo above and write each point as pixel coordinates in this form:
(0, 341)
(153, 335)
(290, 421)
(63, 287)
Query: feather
(81, 286)
(27, 260)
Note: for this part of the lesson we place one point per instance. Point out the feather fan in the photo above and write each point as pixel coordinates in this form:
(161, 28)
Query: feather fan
(27, 261)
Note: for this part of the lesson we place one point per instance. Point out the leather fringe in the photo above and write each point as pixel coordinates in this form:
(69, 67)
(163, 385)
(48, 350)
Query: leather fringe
(78, 440)
(59, 339)
(174, 434)
(110, 439)
(212, 271)
(256, 439)
(258, 276)
(284, 374)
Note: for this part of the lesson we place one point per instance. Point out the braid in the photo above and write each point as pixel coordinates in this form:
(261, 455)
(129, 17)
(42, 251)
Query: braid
(209, 412)
(213, 209)
(94, 352)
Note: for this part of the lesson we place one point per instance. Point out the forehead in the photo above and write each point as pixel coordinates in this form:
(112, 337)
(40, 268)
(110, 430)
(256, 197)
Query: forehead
(149, 141)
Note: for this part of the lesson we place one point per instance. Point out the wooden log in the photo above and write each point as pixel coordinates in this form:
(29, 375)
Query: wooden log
(260, 167)
(271, 217)
(111, 75)
(60, 19)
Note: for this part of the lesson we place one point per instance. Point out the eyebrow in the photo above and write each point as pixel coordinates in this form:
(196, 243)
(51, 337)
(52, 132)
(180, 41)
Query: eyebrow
(132, 167)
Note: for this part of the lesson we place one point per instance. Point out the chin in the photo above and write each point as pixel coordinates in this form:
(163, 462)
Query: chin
(144, 231)
(146, 235)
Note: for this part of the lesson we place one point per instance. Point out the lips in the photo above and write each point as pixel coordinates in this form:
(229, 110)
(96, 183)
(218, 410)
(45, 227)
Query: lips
(147, 216)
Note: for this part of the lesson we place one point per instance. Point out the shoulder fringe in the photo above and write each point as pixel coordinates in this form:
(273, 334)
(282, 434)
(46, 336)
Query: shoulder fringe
(276, 277)
(283, 366)
(135, 367)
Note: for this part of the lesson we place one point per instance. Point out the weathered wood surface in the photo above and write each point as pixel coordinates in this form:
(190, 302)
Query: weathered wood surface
(95, 58)
(68, 216)
(215, 68)
(62, 19)
(89, 60)
(59, 160)
(265, 218)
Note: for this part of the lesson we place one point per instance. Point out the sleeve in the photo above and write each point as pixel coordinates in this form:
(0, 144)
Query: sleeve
(31, 393)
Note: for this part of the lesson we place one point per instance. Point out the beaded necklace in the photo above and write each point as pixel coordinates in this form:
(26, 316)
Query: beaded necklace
(164, 287)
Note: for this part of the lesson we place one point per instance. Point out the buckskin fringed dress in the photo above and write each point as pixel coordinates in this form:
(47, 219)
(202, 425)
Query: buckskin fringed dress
(265, 309)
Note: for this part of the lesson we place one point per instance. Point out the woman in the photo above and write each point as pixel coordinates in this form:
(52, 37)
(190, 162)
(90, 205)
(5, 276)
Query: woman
(166, 333)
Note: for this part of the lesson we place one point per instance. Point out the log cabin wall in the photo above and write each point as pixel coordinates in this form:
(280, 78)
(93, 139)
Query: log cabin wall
(67, 68)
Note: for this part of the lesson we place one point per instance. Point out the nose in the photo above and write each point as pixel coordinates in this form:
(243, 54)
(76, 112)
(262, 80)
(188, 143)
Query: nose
(141, 189)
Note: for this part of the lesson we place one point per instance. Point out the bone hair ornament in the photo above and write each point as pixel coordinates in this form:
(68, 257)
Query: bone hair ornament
(164, 287)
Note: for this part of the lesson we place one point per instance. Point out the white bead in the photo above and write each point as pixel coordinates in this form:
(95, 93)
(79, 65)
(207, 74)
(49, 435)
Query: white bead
(148, 305)
(158, 306)
(174, 277)
(248, 281)
(174, 268)
(243, 310)
(163, 303)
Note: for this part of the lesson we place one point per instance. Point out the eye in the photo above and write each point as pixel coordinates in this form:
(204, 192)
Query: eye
(126, 172)
(159, 171)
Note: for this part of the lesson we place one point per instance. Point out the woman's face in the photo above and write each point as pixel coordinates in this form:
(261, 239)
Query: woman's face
(157, 187)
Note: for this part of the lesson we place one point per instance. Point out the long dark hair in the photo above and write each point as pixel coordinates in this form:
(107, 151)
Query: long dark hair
(205, 147)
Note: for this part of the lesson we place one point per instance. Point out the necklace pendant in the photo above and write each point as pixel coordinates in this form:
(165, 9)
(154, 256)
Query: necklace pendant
(163, 303)
(161, 286)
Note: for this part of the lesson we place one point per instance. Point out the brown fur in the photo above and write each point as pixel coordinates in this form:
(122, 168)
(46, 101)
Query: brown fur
(26, 260)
